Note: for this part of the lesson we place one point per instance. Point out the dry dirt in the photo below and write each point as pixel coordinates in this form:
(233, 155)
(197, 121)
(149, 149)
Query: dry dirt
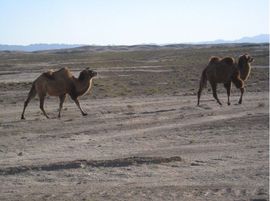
(159, 147)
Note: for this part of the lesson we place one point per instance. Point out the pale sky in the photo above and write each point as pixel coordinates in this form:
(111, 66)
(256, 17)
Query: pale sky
(129, 22)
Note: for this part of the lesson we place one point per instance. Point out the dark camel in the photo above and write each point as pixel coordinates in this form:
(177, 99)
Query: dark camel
(226, 71)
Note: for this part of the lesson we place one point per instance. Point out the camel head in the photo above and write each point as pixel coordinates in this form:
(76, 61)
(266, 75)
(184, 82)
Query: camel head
(87, 74)
(245, 59)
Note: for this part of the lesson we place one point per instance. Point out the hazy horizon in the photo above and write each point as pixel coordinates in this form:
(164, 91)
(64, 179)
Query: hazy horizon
(126, 22)
(198, 42)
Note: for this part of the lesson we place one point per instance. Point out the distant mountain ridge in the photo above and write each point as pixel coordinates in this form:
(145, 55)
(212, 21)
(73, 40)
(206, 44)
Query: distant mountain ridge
(262, 38)
(37, 47)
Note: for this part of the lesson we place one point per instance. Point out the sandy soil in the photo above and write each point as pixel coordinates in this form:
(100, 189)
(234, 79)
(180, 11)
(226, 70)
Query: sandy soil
(155, 148)
(135, 146)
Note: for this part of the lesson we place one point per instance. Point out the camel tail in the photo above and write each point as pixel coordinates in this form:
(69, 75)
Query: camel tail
(203, 81)
(32, 93)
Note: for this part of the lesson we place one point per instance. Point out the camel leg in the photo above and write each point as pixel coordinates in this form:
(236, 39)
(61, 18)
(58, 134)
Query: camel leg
(62, 99)
(240, 85)
(41, 105)
(242, 90)
(228, 88)
(214, 89)
(78, 104)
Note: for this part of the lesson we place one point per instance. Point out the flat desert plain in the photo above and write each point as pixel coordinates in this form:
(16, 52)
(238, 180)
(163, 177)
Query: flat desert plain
(144, 138)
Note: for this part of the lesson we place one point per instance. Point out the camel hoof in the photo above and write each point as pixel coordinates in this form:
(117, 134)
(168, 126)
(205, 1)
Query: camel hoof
(229, 103)
(22, 117)
(84, 114)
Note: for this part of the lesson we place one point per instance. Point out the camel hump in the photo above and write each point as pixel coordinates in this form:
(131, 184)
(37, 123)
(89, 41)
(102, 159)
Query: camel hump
(228, 60)
(63, 72)
(49, 75)
(214, 60)
(65, 69)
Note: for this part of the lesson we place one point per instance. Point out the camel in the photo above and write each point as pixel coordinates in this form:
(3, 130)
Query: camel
(226, 71)
(60, 83)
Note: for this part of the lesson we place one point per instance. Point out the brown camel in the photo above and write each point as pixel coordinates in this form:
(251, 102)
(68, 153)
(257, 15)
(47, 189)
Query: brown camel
(226, 71)
(59, 83)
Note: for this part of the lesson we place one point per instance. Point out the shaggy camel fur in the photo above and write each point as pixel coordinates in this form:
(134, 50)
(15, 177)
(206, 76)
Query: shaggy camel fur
(59, 83)
(226, 71)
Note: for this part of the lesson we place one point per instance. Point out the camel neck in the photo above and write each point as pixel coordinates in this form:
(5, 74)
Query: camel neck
(240, 65)
(82, 86)
(244, 71)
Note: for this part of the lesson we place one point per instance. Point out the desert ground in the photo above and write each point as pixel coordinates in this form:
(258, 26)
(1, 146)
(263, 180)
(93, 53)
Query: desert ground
(144, 137)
